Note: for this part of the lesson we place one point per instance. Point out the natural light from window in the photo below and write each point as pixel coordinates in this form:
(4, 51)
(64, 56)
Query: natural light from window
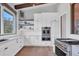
(8, 22)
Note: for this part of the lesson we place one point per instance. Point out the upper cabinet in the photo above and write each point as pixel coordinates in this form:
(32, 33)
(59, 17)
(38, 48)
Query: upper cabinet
(75, 18)
(25, 23)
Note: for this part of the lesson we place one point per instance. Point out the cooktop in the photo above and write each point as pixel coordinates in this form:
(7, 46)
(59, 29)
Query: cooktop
(64, 39)
(72, 42)
(69, 41)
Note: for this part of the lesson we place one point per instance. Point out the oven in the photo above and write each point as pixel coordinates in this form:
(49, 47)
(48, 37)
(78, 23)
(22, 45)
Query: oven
(59, 52)
(46, 34)
(60, 48)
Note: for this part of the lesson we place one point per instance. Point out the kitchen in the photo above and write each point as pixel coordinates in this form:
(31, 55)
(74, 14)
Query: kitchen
(38, 25)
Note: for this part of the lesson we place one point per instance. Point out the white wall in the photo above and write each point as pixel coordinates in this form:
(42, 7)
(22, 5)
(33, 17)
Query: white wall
(65, 9)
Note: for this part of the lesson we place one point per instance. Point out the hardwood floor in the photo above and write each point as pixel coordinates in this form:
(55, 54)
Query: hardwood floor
(36, 51)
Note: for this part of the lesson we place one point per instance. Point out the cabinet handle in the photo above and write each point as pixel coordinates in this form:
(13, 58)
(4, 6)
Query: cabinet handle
(5, 48)
(78, 52)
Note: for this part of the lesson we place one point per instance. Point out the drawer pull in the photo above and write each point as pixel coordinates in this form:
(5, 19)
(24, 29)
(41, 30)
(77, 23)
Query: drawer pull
(78, 52)
(6, 48)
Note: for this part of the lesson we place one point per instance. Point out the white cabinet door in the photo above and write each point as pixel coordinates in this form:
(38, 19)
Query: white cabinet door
(9, 48)
(75, 50)
(37, 24)
(1, 50)
(20, 41)
(35, 40)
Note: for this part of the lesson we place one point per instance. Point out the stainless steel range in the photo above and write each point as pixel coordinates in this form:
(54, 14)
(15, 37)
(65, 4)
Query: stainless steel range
(66, 47)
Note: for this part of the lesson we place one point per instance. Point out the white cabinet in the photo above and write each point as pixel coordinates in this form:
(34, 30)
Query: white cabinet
(32, 40)
(45, 20)
(75, 50)
(37, 24)
(8, 48)
(20, 41)
(35, 39)
(1, 50)
(11, 47)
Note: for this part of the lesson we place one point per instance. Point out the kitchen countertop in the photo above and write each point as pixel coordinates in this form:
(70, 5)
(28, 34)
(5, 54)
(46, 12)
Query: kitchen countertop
(4, 42)
(69, 41)
(72, 42)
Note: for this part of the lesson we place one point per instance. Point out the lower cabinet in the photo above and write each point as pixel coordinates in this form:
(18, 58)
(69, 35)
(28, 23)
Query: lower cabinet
(1, 50)
(32, 40)
(10, 48)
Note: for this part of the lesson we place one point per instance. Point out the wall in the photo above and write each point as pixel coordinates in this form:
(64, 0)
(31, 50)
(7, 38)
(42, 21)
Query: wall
(65, 9)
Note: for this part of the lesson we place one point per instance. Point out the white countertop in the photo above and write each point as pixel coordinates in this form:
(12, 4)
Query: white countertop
(4, 42)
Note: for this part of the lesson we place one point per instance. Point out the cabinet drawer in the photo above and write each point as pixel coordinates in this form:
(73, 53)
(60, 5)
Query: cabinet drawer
(9, 48)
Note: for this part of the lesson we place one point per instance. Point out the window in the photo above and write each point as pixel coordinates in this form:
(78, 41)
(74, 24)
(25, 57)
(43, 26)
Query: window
(0, 19)
(8, 21)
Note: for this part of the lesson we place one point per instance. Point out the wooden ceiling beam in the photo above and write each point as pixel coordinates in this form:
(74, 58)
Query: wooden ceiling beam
(25, 5)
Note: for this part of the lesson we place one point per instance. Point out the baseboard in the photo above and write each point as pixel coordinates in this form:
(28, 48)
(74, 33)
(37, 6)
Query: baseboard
(19, 50)
(38, 45)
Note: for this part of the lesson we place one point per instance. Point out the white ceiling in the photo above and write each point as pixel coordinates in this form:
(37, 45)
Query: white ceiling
(15, 3)
(46, 8)
(52, 7)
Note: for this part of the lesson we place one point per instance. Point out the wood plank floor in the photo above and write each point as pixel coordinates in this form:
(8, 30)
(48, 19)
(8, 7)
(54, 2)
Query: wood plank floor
(36, 51)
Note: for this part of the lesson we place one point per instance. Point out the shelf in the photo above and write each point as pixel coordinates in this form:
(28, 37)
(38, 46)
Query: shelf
(26, 25)
(26, 20)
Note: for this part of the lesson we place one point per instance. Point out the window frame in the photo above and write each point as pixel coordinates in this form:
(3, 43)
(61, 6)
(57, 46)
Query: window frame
(2, 21)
